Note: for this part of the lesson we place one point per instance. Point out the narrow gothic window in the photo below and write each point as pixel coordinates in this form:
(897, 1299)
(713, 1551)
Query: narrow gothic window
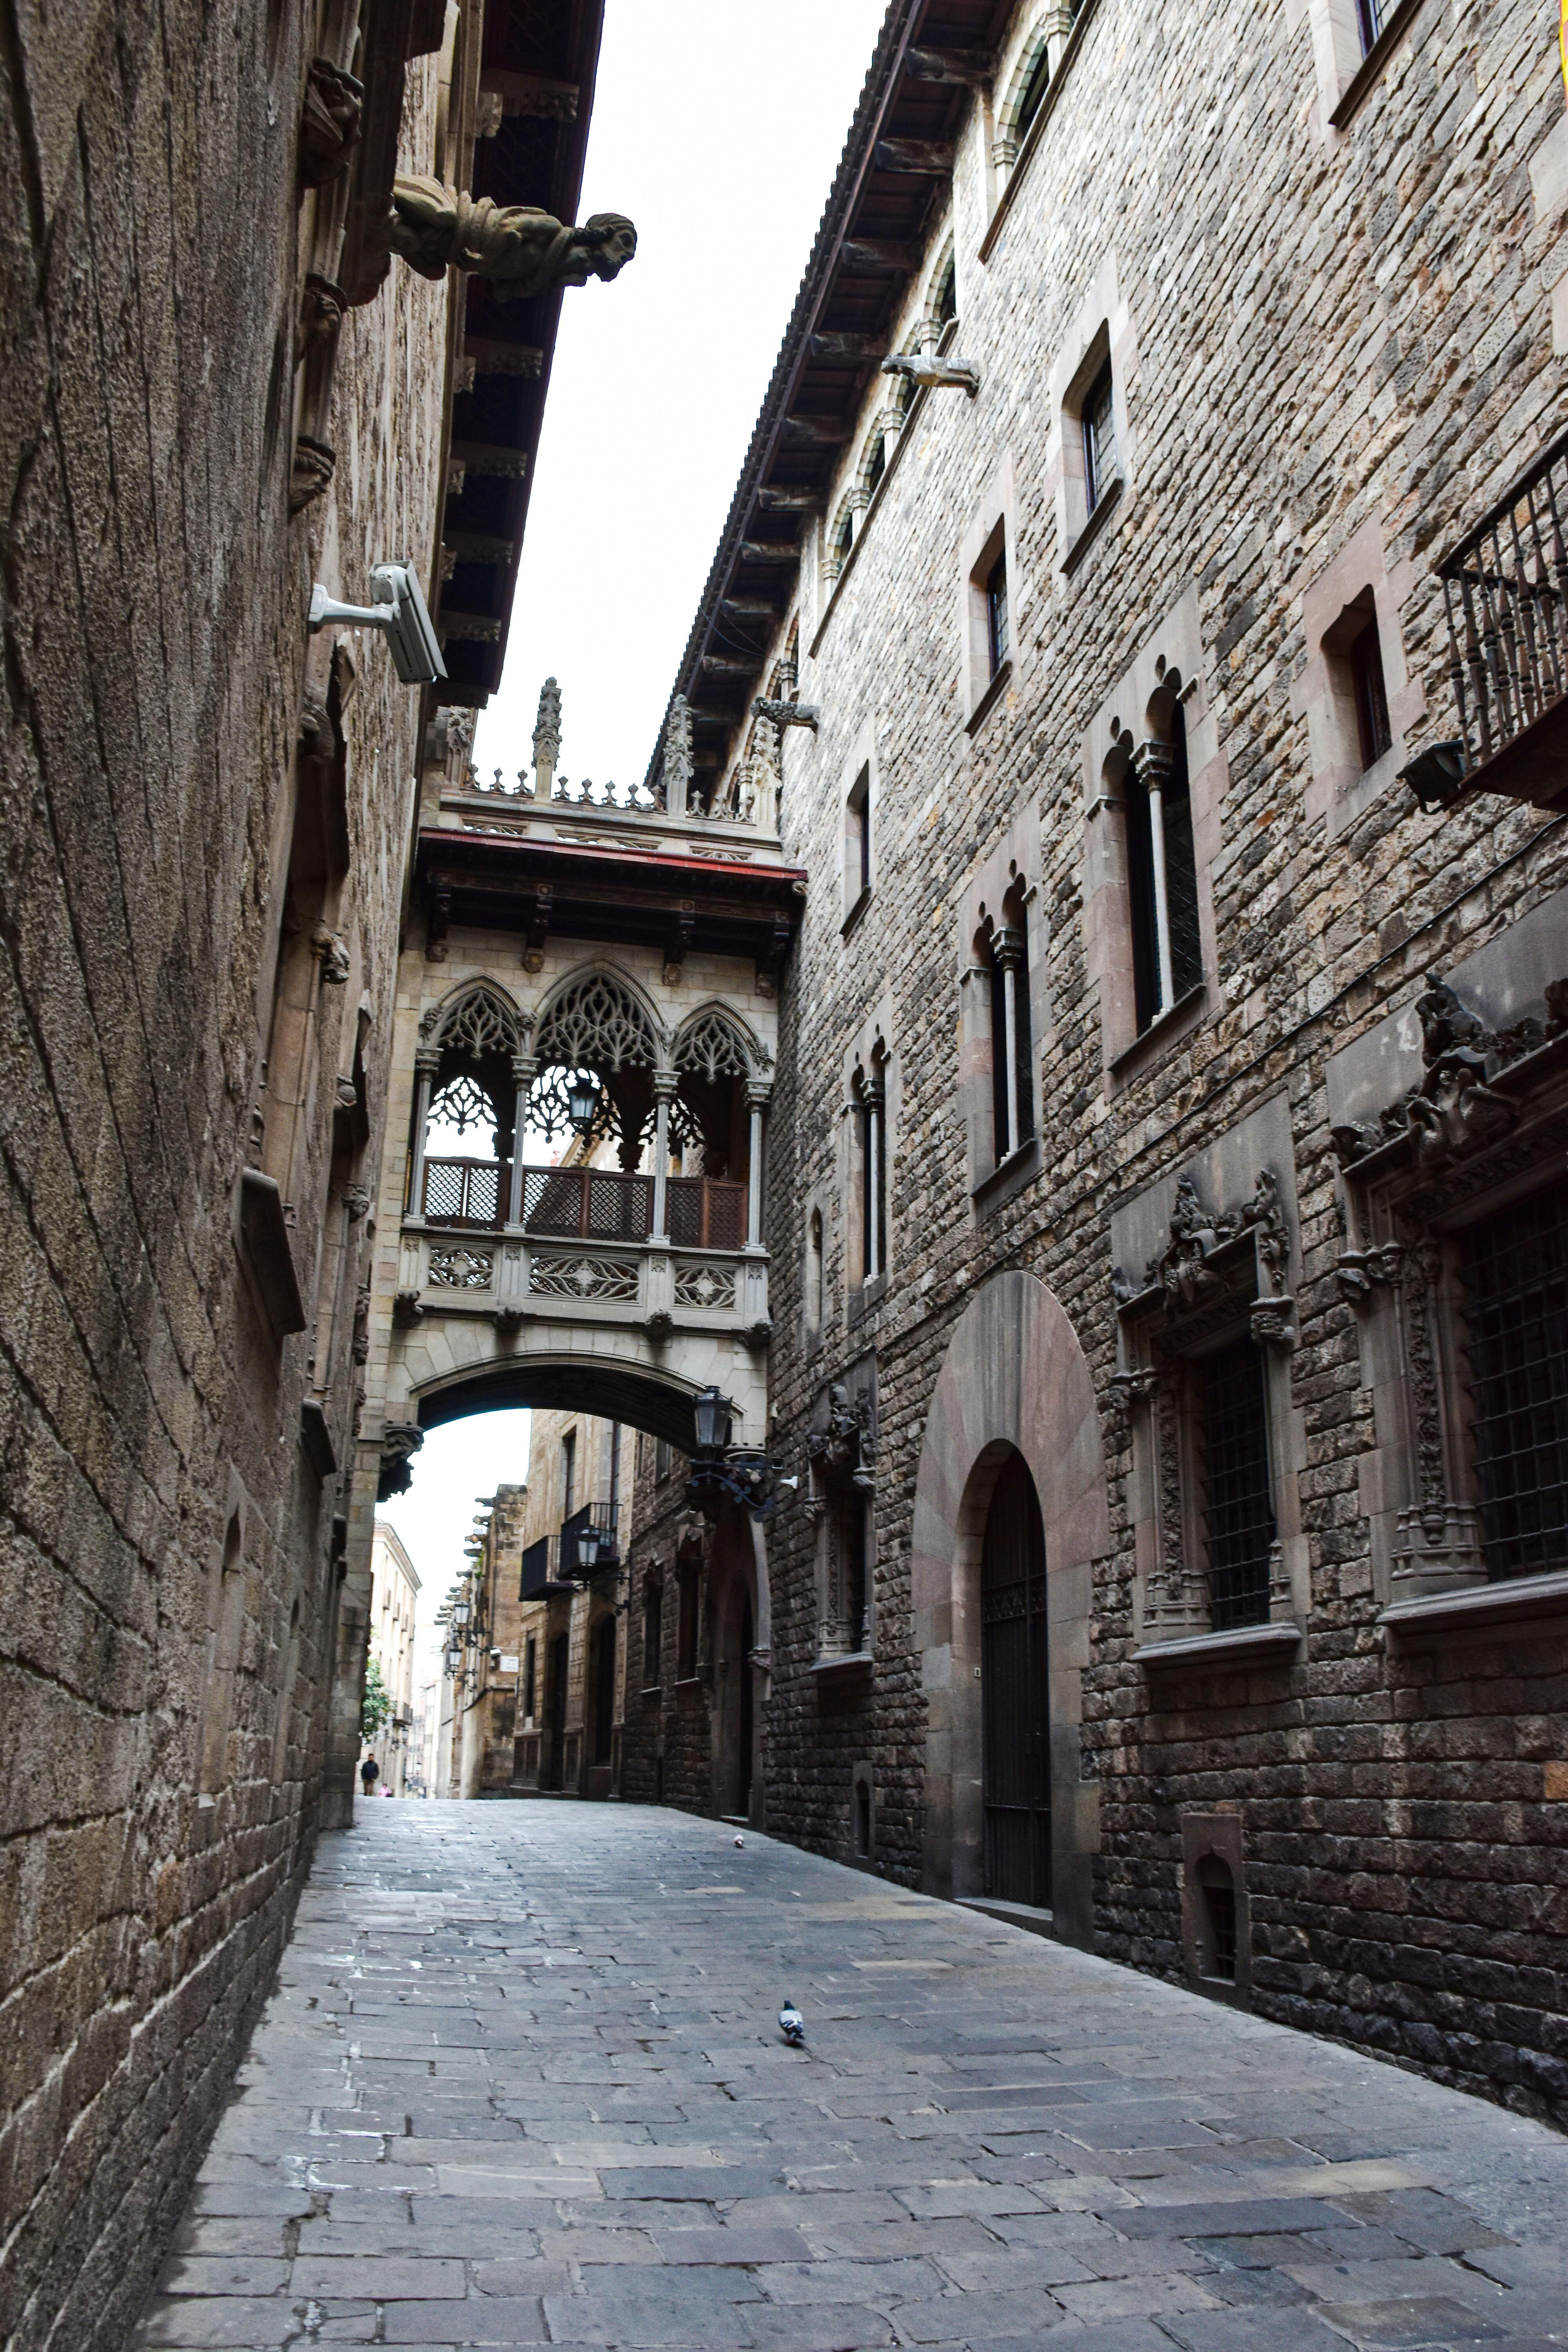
(1034, 93)
(1162, 875)
(1012, 1082)
(1237, 1500)
(568, 1472)
(858, 875)
(814, 1271)
(530, 1675)
(1098, 438)
(1515, 1268)
(1373, 730)
(996, 612)
(663, 1455)
(869, 1105)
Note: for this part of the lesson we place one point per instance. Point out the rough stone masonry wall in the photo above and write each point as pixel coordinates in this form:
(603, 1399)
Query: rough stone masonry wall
(1323, 330)
(154, 594)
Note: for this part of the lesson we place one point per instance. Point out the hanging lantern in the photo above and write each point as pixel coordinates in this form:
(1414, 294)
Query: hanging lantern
(583, 1101)
(713, 1414)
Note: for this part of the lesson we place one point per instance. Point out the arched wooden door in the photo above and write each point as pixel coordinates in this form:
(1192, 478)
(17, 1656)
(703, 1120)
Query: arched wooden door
(1015, 1691)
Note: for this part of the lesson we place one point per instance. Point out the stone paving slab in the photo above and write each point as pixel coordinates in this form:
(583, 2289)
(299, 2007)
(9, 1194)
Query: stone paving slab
(521, 2083)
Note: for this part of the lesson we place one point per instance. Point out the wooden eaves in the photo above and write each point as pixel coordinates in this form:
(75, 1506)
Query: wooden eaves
(893, 180)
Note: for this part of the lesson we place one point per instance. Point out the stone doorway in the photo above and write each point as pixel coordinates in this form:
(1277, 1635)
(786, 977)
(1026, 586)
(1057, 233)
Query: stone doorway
(1015, 1691)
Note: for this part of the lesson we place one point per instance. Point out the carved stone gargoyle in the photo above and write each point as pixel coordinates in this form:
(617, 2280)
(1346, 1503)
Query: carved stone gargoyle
(523, 251)
(787, 714)
(401, 1440)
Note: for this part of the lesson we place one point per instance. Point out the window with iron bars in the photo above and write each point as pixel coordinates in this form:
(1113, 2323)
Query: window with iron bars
(1514, 1265)
(1237, 1495)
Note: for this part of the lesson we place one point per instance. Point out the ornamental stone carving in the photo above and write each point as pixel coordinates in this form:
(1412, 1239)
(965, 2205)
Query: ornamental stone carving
(523, 251)
(1456, 1109)
(401, 1440)
(329, 122)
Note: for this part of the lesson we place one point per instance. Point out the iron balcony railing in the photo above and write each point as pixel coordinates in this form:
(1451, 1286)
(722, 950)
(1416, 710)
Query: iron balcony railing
(1505, 587)
(585, 1203)
(539, 1568)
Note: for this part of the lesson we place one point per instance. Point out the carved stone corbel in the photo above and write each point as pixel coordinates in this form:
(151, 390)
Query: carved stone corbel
(331, 950)
(1360, 1273)
(321, 309)
(1123, 1391)
(438, 921)
(329, 122)
(406, 1310)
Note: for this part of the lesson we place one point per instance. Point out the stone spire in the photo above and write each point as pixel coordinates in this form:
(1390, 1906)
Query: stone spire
(678, 767)
(546, 738)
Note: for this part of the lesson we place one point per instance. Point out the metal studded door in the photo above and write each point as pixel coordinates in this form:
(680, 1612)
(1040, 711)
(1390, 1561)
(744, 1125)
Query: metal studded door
(1014, 1701)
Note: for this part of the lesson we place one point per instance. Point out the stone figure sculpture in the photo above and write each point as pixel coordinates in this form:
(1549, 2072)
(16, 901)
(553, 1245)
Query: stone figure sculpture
(522, 250)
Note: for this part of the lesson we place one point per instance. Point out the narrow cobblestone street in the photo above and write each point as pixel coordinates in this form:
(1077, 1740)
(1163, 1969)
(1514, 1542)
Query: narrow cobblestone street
(522, 2083)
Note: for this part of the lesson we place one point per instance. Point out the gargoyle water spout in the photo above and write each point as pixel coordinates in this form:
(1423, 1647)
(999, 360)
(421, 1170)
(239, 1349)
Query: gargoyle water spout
(523, 250)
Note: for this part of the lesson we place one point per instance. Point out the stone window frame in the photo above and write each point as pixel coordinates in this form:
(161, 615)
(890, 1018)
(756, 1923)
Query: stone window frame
(992, 531)
(815, 1312)
(1063, 28)
(1102, 335)
(859, 788)
(841, 1490)
(1346, 68)
(1132, 709)
(1008, 874)
(1231, 1264)
(870, 1077)
(1209, 1838)
(1482, 1121)
(1358, 579)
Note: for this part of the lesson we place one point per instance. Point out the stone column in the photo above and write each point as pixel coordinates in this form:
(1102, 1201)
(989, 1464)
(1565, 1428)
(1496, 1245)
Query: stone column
(424, 1062)
(1008, 951)
(1152, 763)
(874, 1101)
(756, 1102)
(523, 1070)
(664, 1087)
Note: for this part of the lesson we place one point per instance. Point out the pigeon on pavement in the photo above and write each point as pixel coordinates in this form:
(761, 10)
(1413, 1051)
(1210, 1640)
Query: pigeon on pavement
(791, 2025)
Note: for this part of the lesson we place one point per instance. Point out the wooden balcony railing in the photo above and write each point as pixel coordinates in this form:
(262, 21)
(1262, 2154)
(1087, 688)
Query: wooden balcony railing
(1506, 590)
(585, 1203)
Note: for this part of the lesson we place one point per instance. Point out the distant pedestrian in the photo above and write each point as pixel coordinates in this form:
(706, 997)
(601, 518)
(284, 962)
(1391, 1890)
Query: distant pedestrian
(370, 1773)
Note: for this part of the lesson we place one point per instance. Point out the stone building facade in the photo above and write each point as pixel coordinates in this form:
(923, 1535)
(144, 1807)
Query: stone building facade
(219, 389)
(395, 1587)
(1166, 1176)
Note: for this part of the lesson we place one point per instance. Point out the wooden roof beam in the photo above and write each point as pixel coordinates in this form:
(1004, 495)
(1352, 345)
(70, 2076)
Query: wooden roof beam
(878, 253)
(973, 68)
(930, 159)
(768, 550)
(792, 499)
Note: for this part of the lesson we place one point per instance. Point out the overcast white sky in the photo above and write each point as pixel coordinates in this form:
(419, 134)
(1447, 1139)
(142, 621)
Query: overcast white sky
(717, 127)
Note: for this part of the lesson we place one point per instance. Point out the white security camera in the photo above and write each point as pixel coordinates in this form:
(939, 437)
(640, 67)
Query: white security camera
(399, 611)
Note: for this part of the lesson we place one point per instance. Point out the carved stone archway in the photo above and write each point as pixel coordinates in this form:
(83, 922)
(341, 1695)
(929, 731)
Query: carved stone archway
(1014, 1376)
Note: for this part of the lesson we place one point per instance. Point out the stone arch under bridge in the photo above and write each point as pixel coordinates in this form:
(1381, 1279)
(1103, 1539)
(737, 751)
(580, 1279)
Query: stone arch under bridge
(647, 1389)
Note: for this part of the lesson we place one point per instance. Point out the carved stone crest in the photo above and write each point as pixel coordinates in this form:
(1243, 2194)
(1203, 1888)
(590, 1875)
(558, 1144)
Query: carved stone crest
(1456, 1109)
